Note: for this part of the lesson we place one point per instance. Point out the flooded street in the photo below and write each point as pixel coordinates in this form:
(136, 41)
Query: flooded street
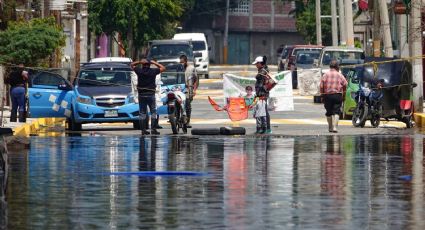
(308, 182)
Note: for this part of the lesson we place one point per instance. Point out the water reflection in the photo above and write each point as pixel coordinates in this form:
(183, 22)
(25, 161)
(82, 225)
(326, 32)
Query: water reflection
(252, 183)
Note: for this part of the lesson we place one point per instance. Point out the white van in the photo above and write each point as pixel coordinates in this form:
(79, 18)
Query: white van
(200, 51)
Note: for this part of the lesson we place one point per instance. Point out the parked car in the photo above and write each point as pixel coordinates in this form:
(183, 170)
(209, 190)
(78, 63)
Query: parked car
(101, 93)
(168, 52)
(305, 59)
(341, 54)
(282, 63)
(292, 60)
(200, 46)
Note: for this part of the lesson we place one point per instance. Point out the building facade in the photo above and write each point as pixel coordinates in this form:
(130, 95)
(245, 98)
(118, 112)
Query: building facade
(256, 27)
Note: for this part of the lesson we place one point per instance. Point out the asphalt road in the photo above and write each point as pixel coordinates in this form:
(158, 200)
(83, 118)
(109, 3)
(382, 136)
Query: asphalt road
(307, 118)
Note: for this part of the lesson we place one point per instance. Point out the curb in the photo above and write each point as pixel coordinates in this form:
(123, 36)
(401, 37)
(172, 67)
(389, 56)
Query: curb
(35, 126)
(419, 119)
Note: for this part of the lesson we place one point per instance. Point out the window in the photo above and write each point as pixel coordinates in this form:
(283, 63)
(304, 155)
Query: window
(243, 7)
(48, 79)
(198, 45)
(172, 78)
(94, 78)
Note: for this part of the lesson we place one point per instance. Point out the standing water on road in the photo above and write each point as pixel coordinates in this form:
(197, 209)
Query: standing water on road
(325, 182)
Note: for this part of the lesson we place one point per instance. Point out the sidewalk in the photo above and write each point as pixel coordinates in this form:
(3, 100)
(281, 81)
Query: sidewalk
(420, 118)
(31, 126)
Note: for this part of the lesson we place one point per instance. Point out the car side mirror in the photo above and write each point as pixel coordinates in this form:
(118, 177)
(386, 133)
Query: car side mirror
(414, 84)
(65, 87)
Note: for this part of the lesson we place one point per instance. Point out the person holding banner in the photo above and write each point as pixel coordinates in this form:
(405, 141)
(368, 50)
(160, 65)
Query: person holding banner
(262, 92)
(332, 88)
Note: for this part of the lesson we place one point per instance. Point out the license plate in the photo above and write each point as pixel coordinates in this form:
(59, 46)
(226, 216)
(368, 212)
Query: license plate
(111, 113)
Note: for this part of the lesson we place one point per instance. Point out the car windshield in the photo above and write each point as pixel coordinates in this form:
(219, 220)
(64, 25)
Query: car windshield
(95, 78)
(298, 50)
(172, 78)
(198, 45)
(328, 56)
(162, 51)
(307, 57)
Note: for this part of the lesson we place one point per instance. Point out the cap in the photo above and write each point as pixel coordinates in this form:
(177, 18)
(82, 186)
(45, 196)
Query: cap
(258, 59)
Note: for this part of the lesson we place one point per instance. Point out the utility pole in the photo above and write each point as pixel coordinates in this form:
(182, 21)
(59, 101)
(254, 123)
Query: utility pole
(226, 33)
(385, 24)
(334, 23)
(349, 23)
(77, 36)
(341, 18)
(376, 29)
(415, 42)
(46, 8)
(318, 24)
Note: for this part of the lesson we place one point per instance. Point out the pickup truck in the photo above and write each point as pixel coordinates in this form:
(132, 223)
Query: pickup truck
(168, 52)
(341, 54)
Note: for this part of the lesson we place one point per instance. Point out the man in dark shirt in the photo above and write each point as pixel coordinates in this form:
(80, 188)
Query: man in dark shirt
(17, 81)
(146, 87)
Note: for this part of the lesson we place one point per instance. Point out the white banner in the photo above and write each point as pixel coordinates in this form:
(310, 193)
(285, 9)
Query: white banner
(281, 98)
(309, 81)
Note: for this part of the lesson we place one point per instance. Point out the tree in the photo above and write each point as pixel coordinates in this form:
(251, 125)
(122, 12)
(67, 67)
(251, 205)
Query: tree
(30, 42)
(137, 21)
(304, 13)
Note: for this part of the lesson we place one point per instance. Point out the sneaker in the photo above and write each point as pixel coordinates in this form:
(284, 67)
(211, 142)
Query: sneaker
(155, 132)
(144, 132)
(261, 131)
(268, 131)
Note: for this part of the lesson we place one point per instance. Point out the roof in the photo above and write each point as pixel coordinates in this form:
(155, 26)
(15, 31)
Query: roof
(308, 46)
(111, 59)
(343, 48)
(169, 41)
(106, 65)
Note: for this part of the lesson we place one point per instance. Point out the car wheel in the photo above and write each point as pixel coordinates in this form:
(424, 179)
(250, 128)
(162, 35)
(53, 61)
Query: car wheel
(409, 122)
(136, 125)
(73, 125)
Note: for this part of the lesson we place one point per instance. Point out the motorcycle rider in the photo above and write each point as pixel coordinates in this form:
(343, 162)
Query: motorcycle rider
(146, 87)
(191, 81)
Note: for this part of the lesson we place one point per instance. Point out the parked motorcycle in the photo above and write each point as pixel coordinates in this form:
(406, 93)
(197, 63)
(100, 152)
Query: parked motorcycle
(362, 109)
(368, 105)
(176, 114)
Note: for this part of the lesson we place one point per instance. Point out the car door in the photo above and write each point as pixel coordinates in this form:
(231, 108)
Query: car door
(49, 95)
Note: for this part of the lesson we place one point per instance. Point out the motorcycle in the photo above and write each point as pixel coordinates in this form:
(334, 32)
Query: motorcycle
(368, 105)
(176, 115)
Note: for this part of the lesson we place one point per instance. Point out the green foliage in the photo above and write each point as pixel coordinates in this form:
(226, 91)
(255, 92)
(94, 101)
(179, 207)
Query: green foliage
(136, 20)
(305, 15)
(357, 44)
(30, 42)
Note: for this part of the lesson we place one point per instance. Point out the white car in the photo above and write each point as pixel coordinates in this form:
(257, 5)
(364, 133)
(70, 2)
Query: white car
(200, 51)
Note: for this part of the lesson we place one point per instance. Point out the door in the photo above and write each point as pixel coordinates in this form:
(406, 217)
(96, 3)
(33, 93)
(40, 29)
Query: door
(49, 95)
(238, 49)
